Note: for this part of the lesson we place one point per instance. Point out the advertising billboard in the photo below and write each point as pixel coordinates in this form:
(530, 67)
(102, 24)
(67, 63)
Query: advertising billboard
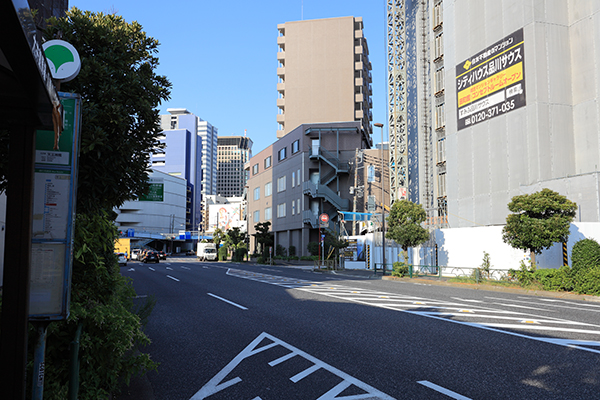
(492, 82)
(224, 216)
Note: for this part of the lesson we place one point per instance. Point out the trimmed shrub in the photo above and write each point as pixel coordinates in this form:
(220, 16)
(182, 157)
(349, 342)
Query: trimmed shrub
(313, 248)
(399, 269)
(280, 251)
(585, 254)
(292, 251)
(555, 279)
(587, 281)
(223, 253)
(239, 254)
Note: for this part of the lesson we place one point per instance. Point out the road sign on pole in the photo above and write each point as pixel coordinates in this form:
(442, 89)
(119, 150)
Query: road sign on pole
(324, 220)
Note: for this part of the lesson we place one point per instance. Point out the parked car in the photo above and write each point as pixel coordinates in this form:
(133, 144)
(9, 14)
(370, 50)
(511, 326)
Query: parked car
(162, 255)
(122, 257)
(150, 256)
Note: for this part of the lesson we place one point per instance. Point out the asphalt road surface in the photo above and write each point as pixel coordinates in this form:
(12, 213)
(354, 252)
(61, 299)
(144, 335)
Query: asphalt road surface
(249, 332)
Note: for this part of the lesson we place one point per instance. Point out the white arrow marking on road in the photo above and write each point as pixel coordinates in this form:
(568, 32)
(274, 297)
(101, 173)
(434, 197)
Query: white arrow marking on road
(216, 385)
(443, 390)
(131, 269)
(175, 279)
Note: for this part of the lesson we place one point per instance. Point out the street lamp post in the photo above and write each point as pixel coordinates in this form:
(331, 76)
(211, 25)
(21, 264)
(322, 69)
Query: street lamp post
(379, 125)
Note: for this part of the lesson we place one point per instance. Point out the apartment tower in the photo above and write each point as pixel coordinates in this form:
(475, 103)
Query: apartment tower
(324, 74)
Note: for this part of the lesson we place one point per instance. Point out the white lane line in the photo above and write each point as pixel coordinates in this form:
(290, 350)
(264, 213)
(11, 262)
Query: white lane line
(175, 279)
(519, 306)
(151, 269)
(282, 359)
(467, 300)
(227, 301)
(205, 267)
(445, 391)
(170, 268)
(185, 267)
(581, 306)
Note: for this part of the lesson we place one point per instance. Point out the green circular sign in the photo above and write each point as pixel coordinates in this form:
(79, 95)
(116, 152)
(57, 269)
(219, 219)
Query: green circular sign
(63, 59)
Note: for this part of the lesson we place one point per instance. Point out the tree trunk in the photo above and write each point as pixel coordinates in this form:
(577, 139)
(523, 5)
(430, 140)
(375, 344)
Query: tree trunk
(532, 255)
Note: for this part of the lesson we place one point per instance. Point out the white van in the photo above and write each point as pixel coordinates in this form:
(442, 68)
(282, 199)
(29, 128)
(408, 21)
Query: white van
(135, 254)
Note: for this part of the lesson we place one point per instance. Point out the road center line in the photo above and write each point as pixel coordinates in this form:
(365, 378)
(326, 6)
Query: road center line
(442, 390)
(175, 279)
(226, 301)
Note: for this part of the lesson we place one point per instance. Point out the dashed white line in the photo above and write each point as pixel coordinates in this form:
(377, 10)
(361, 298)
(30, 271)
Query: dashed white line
(170, 268)
(227, 301)
(443, 390)
(185, 267)
(151, 269)
(175, 279)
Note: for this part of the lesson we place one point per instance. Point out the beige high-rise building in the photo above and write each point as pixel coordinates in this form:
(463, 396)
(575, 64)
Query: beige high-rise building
(324, 73)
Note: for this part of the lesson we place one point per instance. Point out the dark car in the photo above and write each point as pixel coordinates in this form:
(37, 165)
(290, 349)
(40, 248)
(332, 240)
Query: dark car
(162, 255)
(150, 256)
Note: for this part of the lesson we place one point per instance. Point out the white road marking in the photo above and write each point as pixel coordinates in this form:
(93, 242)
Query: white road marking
(170, 268)
(442, 390)
(131, 269)
(342, 292)
(527, 307)
(227, 301)
(151, 269)
(467, 300)
(175, 279)
(581, 306)
(185, 267)
(216, 385)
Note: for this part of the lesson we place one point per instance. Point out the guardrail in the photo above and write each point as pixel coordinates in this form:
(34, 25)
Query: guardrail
(477, 274)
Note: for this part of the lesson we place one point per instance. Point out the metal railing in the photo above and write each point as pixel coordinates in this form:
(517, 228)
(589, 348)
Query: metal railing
(477, 274)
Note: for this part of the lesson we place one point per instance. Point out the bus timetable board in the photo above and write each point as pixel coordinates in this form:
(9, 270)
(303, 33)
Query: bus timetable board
(492, 82)
(55, 183)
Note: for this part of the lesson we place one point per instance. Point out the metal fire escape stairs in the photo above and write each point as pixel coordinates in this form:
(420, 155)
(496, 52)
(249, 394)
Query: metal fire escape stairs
(322, 190)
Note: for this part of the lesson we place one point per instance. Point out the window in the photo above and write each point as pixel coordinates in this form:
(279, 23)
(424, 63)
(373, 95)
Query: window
(437, 15)
(268, 214)
(257, 216)
(298, 206)
(268, 189)
(281, 184)
(293, 179)
(441, 185)
(282, 154)
(298, 177)
(441, 150)
(439, 45)
(281, 210)
(296, 146)
(293, 207)
(371, 173)
(267, 162)
(439, 80)
(440, 118)
(255, 169)
(257, 193)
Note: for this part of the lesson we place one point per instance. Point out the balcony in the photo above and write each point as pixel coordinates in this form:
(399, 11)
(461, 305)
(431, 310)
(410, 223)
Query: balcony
(281, 103)
(359, 98)
(281, 87)
(281, 71)
(281, 56)
(281, 40)
(280, 133)
(281, 118)
(358, 49)
(358, 66)
(358, 81)
(358, 114)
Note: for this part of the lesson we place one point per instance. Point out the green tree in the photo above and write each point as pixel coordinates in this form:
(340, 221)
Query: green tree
(264, 237)
(218, 237)
(404, 225)
(236, 239)
(538, 220)
(121, 93)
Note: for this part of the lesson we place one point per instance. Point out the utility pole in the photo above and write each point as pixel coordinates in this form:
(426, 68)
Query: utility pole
(377, 124)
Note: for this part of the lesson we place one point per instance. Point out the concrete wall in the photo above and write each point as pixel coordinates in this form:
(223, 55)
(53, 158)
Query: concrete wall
(464, 248)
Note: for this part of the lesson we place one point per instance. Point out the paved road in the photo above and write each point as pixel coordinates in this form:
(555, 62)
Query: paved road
(227, 331)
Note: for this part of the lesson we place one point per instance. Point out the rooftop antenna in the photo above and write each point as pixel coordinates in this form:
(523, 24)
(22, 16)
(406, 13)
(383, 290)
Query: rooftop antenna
(244, 132)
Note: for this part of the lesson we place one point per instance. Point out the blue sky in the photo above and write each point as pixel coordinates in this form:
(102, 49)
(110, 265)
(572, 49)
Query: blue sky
(220, 56)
